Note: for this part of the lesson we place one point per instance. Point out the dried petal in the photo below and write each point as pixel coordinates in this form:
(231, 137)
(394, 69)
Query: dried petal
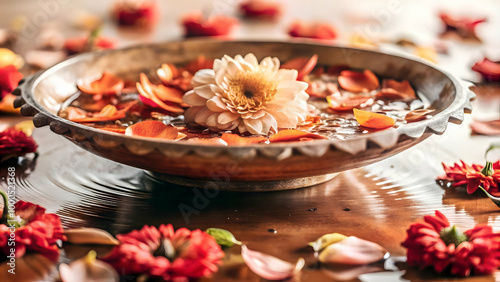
(326, 240)
(314, 30)
(303, 65)
(223, 237)
(235, 139)
(152, 129)
(491, 128)
(343, 103)
(219, 25)
(395, 90)
(489, 70)
(269, 267)
(107, 84)
(291, 135)
(88, 269)
(353, 81)
(373, 120)
(353, 251)
(418, 115)
(150, 95)
(90, 236)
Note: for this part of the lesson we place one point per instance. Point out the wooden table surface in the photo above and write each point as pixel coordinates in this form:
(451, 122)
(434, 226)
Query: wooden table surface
(377, 202)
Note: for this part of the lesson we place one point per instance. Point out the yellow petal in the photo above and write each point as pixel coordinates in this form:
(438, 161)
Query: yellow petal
(326, 240)
(26, 126)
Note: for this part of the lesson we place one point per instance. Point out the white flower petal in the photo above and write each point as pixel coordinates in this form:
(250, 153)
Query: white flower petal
(227, 117)
(285, 74)
(205, 91)
(242, 128)
(202, 77)
(193, 99)
(216, 105)
(191, 113)
(254, 126)
(269, 123)
(251, 59)
(211, 120)
(202, 116)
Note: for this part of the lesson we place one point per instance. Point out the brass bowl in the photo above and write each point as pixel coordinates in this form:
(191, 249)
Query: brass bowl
(255, 167)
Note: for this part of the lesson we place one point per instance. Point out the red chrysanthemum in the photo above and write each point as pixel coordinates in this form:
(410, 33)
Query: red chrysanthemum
(473, 176)
(33, 231)
(15, 143)
(260, 9)
(433, 243)
(172, 255)
(9, 79)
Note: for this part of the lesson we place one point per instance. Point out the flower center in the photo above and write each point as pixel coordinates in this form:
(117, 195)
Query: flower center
(165, 249)
(451, 235)
(250, 91)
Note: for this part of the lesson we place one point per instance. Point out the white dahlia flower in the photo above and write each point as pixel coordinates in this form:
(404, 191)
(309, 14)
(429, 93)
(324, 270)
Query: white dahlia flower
(243, 94)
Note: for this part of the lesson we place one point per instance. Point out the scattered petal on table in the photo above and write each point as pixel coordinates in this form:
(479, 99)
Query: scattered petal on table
(354, 81)
(269, 267)
(353, 251)
(88, 269)
(373, 120)
(219, 25)
(314, 30)
(261, 9)
(326, 240)
(489, 70)
(9, 79)
(142, 14)
(464, 27)
(223, 237)
(491, 128)
(90, 236)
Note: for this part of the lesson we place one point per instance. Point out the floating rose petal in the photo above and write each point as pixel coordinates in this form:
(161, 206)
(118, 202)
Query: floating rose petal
(291, 135)
(235, 139)
(353, 251)
(195, 25)
(269, 267)
(322, 31)
(394, 90)
(159, 96)
(418, 115)
(152, 129)
(463, 27)
(344, 103)
(490, 128)
(87, 269)
(107, 84)
(167, 72)
(303, 65)
(9, 79)
(79, 45)
(143, 14)
(200, 63)
(90, 236)
(373, 120)
(108, 113)
(261, 9)
(488, 69)
(365, 81)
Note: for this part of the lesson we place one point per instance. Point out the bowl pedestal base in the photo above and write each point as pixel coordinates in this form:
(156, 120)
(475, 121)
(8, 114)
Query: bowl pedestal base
(244, 186)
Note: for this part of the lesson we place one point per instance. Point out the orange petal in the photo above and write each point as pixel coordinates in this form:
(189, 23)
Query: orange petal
(394, 90)
(341, 103)
(303, 65)
(75, 113)
(167, 72)
(168, 94)
(7, 104)
(113, 129)
(107, 111)
(417, 115)
(373, 120)
(235, 139)
(289, 135)
(107, 84)
(152, 129)
(149, 91)
(200, 63)
(365, 81)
